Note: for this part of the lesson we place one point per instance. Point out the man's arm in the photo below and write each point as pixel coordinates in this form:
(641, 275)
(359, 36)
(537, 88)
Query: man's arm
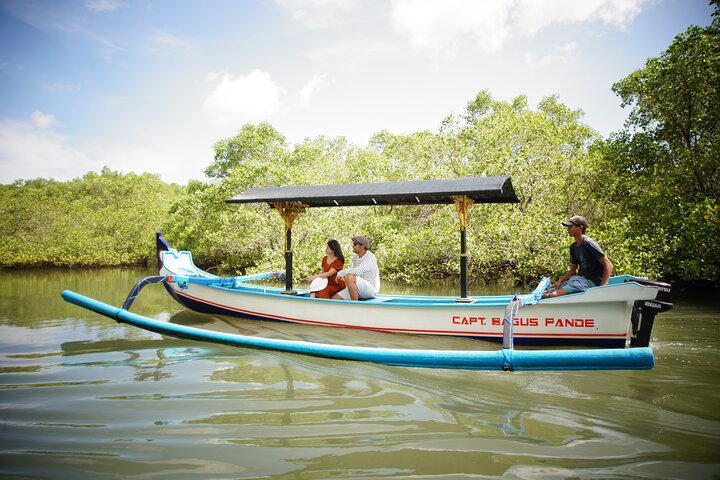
(365, 265)
(327, 274)
(607, 270)
(573, 271)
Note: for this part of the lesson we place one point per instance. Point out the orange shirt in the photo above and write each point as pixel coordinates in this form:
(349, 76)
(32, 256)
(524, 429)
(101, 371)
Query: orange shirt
(334, 284)
(337, 265)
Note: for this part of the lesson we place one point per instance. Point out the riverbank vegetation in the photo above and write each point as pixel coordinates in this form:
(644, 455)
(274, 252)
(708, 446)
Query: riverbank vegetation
(649, 191)
(97, 220)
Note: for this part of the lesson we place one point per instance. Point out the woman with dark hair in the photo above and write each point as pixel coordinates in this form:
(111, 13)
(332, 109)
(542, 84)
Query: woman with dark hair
(332, 262)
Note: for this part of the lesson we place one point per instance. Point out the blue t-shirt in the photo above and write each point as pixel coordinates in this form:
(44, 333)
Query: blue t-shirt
(587, 255)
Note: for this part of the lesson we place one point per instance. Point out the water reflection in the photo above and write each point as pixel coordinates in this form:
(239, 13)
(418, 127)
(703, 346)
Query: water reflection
(32, 297)
(84, 397)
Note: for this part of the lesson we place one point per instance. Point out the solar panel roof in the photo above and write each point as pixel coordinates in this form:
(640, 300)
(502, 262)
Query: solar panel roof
(496, 189)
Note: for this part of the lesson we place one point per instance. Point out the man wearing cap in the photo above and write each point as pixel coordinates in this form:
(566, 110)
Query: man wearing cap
(589, 267)
(363, 280)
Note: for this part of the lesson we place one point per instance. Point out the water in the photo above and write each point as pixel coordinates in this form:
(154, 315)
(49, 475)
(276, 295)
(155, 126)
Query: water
(84, 397)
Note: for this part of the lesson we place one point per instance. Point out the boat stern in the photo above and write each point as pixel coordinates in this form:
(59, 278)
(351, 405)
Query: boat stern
(644, 311)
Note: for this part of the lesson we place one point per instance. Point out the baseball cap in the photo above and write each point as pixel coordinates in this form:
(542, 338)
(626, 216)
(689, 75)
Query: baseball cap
(361, 240)
(577, 220)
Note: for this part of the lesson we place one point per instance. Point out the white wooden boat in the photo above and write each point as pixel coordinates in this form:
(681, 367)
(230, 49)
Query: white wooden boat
(598, 317)
(618, 316)
(508, 359)
(607, 316)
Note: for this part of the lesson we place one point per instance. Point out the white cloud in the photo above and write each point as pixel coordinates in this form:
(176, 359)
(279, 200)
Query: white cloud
(174, 163)
(357, 55)
(102, 5)
(620, 12)
(445, 27)
(56, 17)
(61, 87)
(43, 120)
(167, 41)
(318, 14)
(253, 97)
(563, 55)
(441, 27)
(28, 152)
(317, 82)
(531, 16)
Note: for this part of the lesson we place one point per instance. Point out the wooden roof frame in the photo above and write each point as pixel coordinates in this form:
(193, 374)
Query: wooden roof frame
(291, 201)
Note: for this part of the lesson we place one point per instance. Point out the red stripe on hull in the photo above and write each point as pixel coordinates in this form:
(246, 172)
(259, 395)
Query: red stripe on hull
(403, 330)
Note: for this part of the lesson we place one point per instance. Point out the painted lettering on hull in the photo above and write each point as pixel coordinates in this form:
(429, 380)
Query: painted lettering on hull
(457, 320)
(570, 322)
(547, 322)
(518, 321)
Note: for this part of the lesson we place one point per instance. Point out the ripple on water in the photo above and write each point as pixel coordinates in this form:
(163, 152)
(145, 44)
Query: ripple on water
(84, 397)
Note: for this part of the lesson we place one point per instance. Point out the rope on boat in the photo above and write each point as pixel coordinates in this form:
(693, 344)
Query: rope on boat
(510, 311)
(517, 302)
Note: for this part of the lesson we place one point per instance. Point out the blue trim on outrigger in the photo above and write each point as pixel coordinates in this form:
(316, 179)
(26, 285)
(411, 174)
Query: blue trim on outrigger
(640, 358)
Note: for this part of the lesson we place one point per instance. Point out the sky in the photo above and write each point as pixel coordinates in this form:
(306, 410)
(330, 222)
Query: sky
(152, 85)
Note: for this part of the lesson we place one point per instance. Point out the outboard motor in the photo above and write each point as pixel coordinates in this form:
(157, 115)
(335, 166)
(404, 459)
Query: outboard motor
(644, 311)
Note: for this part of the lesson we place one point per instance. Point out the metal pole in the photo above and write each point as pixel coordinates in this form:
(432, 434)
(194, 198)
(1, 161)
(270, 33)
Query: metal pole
(288, 263)
(463, 265)
(463, 203)
(289, 211)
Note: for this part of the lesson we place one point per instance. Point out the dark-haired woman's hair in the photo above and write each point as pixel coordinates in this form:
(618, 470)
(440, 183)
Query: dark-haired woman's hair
(335, 247)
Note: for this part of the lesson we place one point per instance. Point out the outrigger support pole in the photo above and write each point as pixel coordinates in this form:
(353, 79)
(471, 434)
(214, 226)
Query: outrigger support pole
(289, 211)
(463, 204)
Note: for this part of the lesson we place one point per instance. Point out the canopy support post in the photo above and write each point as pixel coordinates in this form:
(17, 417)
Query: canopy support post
(463, 204)
(289, 211)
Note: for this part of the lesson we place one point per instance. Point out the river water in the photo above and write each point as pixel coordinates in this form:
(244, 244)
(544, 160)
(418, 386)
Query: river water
(84, 397)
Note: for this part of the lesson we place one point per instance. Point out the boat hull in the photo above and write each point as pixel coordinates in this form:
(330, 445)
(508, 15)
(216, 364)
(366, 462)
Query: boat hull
(598, 317)
(504, 359)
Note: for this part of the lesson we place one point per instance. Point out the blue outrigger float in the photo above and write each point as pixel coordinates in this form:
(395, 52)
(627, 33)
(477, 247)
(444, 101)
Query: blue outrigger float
(618, 316)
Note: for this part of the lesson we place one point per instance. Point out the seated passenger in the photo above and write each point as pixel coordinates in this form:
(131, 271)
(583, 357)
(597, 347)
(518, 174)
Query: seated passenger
(589, 267)
(332, 263)
(363, 280)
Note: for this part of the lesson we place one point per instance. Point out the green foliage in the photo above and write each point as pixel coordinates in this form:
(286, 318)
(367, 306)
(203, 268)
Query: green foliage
(96, 220)
(545, 153)
(660, 177)
(559, 167)
(675, 101)
(536, 148)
